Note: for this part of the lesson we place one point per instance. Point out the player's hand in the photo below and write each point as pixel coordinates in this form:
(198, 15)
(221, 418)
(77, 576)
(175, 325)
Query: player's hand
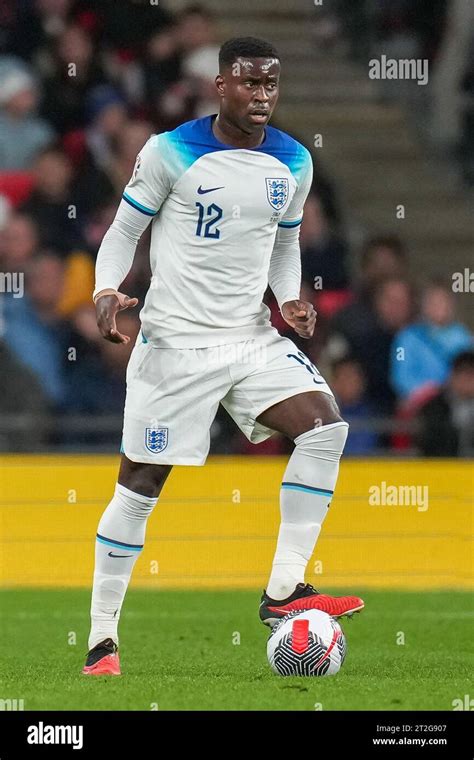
(107, 307)
(301, 316)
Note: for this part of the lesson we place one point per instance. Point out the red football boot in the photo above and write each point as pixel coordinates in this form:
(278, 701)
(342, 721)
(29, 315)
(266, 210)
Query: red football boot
(103, 660)
(305, 597)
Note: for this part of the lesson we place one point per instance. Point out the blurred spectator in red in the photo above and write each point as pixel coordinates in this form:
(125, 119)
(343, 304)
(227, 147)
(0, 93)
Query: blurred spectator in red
(369, 340)
(349, 385)
(22, 133)
(53, 204)
(77, 68)
(447, 420)
(422, 353)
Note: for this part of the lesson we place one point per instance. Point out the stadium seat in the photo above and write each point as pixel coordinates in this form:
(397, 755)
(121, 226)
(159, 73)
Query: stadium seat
(16, 186)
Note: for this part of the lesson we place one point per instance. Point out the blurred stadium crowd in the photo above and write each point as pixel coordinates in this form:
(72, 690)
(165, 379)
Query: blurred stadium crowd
(83, 84)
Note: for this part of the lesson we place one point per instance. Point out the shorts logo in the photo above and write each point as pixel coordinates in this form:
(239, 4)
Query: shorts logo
(156, 439)
(277, 191)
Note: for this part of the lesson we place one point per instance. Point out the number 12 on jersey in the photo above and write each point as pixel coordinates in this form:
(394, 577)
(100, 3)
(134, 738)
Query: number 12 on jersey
(207, 220)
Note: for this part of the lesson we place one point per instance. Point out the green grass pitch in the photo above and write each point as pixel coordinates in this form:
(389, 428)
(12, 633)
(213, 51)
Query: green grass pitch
(178, 652)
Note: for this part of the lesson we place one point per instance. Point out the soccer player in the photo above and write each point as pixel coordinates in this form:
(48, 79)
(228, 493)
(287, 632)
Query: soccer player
(225, 196)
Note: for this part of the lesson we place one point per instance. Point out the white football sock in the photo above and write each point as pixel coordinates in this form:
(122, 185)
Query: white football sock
(306, 492)
(120, 539)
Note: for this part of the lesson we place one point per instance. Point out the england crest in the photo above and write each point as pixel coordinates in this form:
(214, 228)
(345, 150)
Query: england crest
(156, 439)
(277, 191)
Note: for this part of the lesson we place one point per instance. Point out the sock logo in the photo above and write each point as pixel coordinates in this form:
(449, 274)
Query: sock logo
(111, 554)
(45, 734)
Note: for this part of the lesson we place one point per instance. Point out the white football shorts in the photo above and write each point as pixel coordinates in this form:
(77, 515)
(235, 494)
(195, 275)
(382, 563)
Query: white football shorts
(173, 394)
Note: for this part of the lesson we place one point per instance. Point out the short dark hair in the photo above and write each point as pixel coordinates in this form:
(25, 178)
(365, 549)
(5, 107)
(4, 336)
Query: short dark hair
(383, 241)
(437, 282)
(245, 47)
(463, 361)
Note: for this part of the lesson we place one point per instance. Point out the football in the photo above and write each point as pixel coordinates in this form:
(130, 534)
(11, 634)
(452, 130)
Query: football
(307, 643)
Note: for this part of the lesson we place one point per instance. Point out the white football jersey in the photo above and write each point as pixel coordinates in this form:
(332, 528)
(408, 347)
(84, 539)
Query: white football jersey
(216, 210)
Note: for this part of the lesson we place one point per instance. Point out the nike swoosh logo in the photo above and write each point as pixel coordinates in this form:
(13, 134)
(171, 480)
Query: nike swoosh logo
(119, 555)
(210, 190)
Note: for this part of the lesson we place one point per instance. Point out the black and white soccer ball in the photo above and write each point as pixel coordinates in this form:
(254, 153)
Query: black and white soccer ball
(309, 643)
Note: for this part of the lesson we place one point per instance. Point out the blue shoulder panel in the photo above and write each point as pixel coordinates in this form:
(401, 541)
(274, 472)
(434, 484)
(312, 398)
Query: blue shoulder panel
(193, 139)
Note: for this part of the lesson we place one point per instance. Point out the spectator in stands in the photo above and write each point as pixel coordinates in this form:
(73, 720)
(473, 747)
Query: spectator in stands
(447, 420)
(200, 56)
(349, 384)
(422, 353)
(95, 381)
(129, 143)
(33, 331)
(194, 94)
(77, 68)
(22, 133)
(369, 340)
(93, 149)
(29, 27)
(323, 258)
(23, 400)
(125, 27)
(98, 223)
(382, 257)
(161, 71)
(18, 242)
(106, 113)
(53, 204)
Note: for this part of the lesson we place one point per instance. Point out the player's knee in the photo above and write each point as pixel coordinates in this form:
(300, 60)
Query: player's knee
(325, 441)
(340, 433)
(145, 479)
(133, 505)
